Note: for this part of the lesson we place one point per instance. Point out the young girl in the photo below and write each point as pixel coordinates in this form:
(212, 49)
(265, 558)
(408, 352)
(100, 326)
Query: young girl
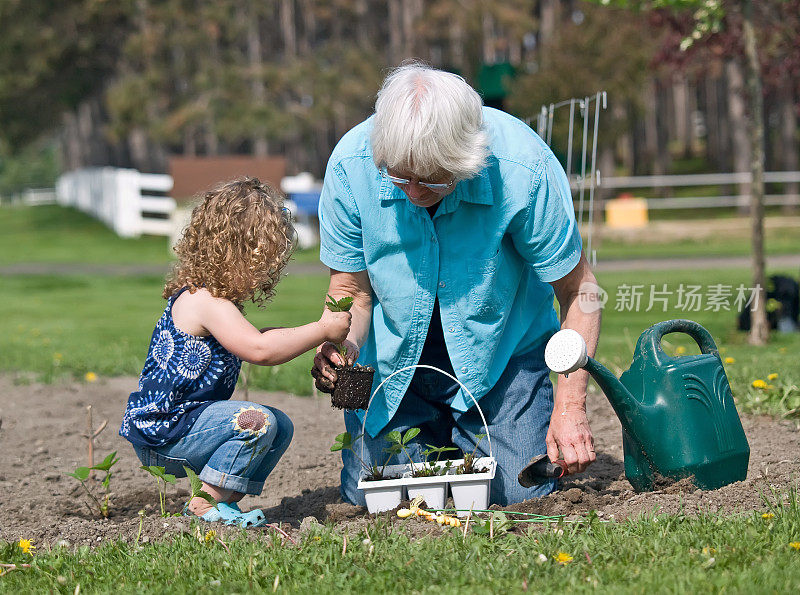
(234, 249)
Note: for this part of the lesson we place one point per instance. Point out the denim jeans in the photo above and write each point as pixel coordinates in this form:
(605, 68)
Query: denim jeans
(233, 445)
(517, 410)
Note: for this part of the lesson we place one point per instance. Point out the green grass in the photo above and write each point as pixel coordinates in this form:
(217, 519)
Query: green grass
(69, 325)
(655, 553)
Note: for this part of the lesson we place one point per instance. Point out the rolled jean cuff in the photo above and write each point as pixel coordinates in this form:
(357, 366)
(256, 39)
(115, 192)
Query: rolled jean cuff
(226, 481)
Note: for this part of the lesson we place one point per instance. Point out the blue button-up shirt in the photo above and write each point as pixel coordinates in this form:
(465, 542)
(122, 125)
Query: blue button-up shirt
(488, 254)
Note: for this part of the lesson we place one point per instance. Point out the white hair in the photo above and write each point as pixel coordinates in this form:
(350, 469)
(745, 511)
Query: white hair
(428, 121)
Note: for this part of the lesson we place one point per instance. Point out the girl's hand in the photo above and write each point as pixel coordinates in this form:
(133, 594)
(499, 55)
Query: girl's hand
(335, 325)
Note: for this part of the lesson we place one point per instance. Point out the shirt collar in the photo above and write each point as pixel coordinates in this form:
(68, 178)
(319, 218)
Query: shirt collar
(477, 190)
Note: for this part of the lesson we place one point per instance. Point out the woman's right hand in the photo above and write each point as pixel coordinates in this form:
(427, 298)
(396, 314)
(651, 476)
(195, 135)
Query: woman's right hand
(335, 325)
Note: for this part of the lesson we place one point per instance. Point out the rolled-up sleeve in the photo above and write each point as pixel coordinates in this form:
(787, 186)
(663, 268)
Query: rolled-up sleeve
(546, 233)
(341, 240)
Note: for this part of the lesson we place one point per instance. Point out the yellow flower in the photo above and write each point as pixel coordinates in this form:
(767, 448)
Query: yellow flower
(58, 356)
(210, 536)
(563, 558)
(26, 545)
(680, 350)
(772, 377)
(758, 383)
(795, 545)
(730, 360)
(90, 377)
(709, 551)
(767, 516)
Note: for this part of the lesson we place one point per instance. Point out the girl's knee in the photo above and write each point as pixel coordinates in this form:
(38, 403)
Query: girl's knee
(285, 428)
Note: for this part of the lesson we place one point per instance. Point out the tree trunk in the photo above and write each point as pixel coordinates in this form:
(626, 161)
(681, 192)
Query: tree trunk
(759, 329)
(257, 88)
(788, 135)
(287, 28)
(738, 125)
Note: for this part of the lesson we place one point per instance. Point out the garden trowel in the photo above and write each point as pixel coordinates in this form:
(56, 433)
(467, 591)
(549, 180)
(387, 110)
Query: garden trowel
(539, 470)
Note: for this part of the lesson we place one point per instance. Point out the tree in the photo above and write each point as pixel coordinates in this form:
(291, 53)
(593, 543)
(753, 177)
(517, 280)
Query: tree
(709, 17)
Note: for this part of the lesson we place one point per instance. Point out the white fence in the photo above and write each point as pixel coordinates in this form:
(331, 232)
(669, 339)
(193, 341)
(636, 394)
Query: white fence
(129, 202)
(730, 180)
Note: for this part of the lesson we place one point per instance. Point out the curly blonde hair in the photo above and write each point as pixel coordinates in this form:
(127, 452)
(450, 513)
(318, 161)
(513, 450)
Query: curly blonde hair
(236, 245)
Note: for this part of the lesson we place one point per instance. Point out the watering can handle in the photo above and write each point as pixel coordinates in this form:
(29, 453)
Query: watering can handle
(656, 333)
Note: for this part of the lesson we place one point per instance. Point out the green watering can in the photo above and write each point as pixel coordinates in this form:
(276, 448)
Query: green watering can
(677, 413)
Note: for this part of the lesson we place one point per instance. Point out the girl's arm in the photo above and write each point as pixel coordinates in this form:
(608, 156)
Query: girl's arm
(202, 312)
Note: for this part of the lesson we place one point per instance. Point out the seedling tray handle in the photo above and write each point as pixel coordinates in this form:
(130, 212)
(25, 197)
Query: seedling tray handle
(451, 377)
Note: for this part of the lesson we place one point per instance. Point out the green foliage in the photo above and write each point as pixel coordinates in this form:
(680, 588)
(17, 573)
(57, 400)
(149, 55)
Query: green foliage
(82, 475)
(468, 466)
(197, 488)
(162, 479)
(342, 305)
(710, 552)
(496, 523)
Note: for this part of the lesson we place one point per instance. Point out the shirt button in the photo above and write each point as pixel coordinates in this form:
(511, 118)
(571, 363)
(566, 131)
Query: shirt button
(442, 283)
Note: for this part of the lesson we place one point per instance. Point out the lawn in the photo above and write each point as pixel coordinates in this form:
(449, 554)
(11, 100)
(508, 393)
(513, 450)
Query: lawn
(73, 324)
(655, 553)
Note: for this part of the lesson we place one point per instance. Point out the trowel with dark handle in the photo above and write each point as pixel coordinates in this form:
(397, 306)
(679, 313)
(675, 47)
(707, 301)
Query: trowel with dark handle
(539, 470)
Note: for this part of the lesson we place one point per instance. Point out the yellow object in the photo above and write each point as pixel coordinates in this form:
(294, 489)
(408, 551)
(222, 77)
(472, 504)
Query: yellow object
(730, 360)
(772, 377)
(90, 377)
(26, 545)
(626, 212)
(404, 513)
(795, 545)
(563, 558)
(768, 515)
(758, 383)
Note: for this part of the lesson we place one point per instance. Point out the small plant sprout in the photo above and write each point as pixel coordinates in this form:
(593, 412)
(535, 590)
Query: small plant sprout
(162, 479)
(429, 468)
(374, 472)
(197, 488)
(341, 305)
(82, 475)
(399, 440)
(469, 458)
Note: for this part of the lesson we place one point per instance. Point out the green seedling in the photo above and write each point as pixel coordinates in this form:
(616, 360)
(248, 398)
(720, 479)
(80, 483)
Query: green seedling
(197, 488)
(374, 472)
(341, 305)
(162, 479)
(82, 475)
(400, 440)
(429, 469)
(496, 524)
(468, 466)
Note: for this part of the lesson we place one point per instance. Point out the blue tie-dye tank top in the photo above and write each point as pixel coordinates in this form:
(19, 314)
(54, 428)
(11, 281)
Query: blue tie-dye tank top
(182, 375)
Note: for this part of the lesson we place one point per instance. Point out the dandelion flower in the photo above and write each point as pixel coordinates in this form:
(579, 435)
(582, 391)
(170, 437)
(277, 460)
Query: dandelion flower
(90, 377)
(772, 377)
(210, 536)
(730, 360)
(795, 545)
(563, 558)
(709, 551)
(680, 350)
(26, 545)
(768, 515)
(758, 383)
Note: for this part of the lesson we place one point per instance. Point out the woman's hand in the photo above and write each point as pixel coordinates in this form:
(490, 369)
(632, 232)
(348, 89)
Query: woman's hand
(570, 433)
(328, 356)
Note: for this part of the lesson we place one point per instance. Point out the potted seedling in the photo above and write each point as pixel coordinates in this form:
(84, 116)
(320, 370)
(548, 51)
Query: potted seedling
(470, 479)
(382, 484)
(429, 478)
(353, 383)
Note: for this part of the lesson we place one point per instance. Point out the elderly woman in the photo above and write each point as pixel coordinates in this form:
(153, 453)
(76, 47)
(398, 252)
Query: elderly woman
(452, 227)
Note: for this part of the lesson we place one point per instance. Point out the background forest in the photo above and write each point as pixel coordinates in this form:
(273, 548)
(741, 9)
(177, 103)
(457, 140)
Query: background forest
(129, 82)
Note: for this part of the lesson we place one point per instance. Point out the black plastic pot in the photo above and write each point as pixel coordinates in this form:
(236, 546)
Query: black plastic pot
(353, 387)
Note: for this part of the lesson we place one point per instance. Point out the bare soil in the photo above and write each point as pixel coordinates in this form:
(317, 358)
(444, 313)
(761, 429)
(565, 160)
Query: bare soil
(42, 438)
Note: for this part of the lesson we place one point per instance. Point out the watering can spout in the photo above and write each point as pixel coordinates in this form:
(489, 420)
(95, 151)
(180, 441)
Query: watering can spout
(566, 352)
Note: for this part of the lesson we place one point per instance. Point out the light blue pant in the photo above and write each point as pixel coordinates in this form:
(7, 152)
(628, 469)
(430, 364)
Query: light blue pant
(233, 445)
(517, 410)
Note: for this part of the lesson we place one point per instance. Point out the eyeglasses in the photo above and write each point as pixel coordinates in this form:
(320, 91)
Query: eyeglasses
(439, 188)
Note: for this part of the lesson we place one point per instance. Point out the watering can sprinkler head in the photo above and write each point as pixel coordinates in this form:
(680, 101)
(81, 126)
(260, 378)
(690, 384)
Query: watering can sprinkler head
(566, 352)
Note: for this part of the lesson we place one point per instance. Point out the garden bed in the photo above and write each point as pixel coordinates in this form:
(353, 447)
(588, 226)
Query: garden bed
(41, 439)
